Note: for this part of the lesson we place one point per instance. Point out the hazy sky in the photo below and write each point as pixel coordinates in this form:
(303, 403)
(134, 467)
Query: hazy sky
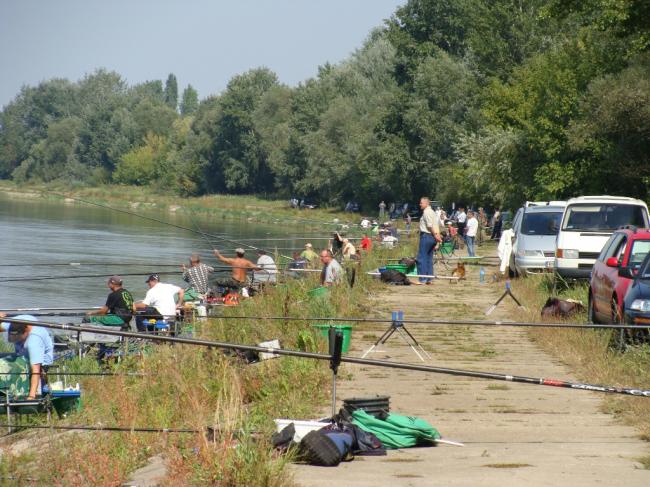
(203, 42)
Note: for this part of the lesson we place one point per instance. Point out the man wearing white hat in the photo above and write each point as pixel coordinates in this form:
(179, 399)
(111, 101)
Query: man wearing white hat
(240, 266)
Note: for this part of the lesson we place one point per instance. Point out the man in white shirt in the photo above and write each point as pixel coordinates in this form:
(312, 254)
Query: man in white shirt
(159, 302)
(269, 272)
(429, 238)
(470, 235)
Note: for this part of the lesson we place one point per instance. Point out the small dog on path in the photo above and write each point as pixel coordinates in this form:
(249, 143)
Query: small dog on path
(459, 271)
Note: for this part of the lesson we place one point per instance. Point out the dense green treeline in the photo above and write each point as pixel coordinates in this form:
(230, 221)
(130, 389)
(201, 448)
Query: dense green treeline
(483, 101)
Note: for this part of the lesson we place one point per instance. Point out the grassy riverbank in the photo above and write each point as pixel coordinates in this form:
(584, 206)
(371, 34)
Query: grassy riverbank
(137, 198)
(587, 353)
(192, 387)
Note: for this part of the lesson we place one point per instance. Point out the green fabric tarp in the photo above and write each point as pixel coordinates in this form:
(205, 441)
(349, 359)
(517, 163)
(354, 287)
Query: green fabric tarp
(107, 320)
(16, 385)
(396, 431)
(191, 294)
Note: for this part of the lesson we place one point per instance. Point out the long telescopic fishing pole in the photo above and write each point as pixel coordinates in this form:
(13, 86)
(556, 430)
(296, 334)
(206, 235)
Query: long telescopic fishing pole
(75, 276)
(352, 360)
(103, 428)
(613, 326)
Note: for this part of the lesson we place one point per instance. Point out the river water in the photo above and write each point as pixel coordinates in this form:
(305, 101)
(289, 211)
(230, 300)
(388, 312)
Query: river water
(38, 232)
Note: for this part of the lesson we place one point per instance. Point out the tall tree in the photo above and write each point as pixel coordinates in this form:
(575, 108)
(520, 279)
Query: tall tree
(171, 91)
(190, 101)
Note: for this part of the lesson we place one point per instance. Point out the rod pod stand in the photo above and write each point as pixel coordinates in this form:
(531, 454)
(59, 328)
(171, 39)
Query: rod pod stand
(507, 292)
(397, 325)
(335, 349)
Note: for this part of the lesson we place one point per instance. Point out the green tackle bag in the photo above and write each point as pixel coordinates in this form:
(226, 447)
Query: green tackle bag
(396, 431)
(14, 377)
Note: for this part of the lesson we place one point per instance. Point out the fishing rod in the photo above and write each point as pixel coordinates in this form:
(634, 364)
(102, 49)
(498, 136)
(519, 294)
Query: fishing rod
(348, 359)
(613, 326)
(45, 278)
(52, 372)
(18, 310)
(102, 428)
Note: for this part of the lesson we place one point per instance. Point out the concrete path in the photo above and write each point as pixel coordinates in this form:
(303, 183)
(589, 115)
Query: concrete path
(515, 434)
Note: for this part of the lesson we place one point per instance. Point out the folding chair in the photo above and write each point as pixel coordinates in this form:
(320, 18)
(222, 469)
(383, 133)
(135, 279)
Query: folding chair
(446, 252)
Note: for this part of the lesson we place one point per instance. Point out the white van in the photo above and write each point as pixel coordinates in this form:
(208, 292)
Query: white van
(587, 223)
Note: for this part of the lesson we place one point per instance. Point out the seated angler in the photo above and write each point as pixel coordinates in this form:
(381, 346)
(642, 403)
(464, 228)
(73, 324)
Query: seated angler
(118, 307)
(35, 343)
(159, 302)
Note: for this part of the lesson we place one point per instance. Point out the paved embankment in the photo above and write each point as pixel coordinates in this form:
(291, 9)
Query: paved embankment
(515, 434)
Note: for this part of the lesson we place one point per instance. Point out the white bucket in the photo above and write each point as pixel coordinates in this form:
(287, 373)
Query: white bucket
(270, 344)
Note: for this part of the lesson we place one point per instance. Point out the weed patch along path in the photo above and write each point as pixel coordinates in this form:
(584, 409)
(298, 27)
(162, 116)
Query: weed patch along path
(515, 434)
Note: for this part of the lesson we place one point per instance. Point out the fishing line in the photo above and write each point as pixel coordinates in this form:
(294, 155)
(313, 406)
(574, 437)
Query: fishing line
(181, 227)
(348, 359)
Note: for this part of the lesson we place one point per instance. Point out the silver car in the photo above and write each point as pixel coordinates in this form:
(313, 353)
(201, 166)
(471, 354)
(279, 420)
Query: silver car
(533, 247)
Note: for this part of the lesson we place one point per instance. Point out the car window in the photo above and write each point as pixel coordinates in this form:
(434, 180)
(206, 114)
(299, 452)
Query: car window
(545, 223)
(610, 246)
(619, 250)
(602, 217)
(644, 272)
(640, 248)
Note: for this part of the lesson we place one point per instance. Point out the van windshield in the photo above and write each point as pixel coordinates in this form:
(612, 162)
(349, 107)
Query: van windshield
(590, 217)
(546, 223)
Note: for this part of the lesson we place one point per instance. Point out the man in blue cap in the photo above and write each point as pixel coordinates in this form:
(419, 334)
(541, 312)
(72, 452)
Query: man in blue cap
(35, 343)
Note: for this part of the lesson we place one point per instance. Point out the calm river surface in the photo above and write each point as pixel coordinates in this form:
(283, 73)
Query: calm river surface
(37, 232)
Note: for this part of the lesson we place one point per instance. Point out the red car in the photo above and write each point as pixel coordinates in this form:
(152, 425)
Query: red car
(619, 259)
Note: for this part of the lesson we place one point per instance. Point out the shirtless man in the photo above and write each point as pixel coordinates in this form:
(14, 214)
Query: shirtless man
(239, 265)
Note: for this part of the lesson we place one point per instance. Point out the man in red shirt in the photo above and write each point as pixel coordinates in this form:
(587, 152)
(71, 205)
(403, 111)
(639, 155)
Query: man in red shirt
(366, 243)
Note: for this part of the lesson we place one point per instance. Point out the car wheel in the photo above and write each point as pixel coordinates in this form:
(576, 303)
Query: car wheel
(591, 313)
(618, 341)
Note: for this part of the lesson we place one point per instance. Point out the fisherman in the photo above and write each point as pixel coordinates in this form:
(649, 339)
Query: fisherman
(348, 251)
(197, 275)
(309, 255)
(332, 272)
(119, 303)
(239, 265)
(336, 244)
(429, 238)
(159, 302)
(366, 243)
(269, 272)
(35, 343)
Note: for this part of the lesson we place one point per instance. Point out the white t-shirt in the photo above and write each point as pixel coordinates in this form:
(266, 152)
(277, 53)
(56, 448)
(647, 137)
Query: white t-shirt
(161, 297)
(472, 227)
(270, 269)
(389, 241)
(462, 216)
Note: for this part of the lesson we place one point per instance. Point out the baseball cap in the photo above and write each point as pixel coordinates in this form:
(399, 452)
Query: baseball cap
(239, 250)
(308, 245)
(153, 277)
(115, 280)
